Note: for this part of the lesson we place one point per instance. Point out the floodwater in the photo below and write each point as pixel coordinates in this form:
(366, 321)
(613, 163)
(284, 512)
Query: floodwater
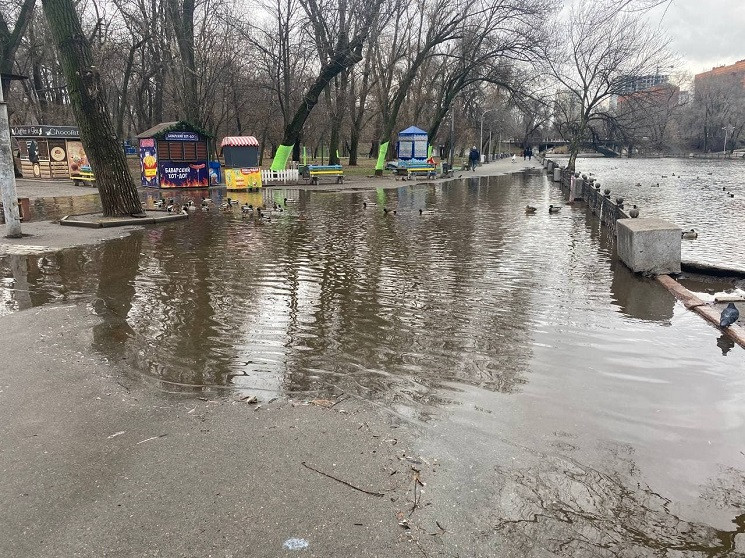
(583, 411)
(692, 193)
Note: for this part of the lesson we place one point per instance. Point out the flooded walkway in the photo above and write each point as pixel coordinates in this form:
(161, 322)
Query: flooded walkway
(572, 408)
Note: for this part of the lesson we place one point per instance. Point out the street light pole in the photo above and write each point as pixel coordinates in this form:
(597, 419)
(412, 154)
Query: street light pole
(481, 134)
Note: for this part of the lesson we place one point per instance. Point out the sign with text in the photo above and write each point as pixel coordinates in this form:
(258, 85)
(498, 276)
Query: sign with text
(45, 131)
(177, 174)
(148, 163)
(181, 136)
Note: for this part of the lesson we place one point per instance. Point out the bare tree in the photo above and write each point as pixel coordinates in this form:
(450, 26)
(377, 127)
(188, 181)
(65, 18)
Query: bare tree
(607, 45)
(88, 98)
(341, 30)
(10, 39)
(718, 103)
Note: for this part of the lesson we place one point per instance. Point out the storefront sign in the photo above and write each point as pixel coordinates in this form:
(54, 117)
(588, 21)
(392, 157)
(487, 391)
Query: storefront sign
(45, 131)
(183, 175)
(181, 136)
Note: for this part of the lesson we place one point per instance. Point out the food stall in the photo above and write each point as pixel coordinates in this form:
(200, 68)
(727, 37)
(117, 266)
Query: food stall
(241, 155)
(51, 152)
(174, 155)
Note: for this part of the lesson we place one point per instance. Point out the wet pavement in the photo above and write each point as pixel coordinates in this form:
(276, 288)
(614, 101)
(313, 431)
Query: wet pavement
(565, 406)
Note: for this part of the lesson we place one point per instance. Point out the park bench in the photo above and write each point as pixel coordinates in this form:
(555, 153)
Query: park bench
(314, 172)
(84, 175)
(411, 169)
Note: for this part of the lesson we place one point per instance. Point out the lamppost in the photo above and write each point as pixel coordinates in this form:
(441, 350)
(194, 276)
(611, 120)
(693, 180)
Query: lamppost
(727, 129)
(481, 134)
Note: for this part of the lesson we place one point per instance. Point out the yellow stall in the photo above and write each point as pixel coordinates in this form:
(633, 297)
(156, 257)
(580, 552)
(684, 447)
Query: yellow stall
(241, 155)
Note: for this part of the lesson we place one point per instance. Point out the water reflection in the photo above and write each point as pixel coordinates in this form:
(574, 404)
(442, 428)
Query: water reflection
(640, 298)
(532, 314)
(575, 510)
(725, 343)
(692, 193)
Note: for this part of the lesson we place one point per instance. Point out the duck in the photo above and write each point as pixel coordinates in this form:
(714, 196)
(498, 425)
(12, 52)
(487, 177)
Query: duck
(529, 209)
(247, 209)
(689, 235)
(729, 315)
(159, 204)
(554, 208)
(730, 194)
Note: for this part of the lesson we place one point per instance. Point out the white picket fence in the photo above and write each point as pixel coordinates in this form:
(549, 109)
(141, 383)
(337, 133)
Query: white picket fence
(286, 176)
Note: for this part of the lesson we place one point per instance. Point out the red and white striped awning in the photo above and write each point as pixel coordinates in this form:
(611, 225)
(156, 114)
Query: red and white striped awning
(239, 141)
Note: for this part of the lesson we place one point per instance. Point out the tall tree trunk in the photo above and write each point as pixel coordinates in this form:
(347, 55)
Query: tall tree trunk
(354, 144)
(182, 17)
(115, 185)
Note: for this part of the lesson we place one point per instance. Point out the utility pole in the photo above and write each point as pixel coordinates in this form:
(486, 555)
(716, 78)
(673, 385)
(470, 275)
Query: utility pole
(8, 176)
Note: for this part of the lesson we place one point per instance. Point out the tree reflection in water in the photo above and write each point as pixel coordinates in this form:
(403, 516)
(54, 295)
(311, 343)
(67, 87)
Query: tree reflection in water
(575, 510)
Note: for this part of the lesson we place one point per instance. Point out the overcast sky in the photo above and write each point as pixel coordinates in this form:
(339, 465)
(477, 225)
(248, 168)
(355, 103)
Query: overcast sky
(706, 33)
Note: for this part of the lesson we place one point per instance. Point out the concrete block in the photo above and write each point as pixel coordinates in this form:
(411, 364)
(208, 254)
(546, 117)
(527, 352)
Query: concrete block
(557, 174)
(649, 246)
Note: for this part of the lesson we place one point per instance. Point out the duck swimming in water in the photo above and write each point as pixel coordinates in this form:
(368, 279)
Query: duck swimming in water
(529, 209)
(554, 208)
(689, 235)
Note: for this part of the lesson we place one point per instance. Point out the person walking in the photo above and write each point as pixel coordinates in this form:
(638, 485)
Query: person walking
(473, 158)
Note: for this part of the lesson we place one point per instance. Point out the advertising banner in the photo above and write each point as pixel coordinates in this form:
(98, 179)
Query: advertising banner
(242, 179)
(76, 157)
(148, 163)
(177, 174)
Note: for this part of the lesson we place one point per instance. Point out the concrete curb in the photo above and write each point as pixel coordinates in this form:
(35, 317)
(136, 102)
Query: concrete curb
(95, 223)
(692, 302)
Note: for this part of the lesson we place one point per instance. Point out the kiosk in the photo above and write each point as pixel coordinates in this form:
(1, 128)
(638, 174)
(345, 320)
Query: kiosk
(241, 155)
(174, 155)
(412, 144)
(412, 151)
(52, 152)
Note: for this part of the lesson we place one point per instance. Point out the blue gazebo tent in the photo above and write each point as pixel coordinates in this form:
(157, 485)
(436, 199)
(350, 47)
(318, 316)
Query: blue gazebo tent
(412, 144)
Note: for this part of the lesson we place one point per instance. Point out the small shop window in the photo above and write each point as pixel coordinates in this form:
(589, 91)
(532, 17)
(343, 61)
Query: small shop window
(201, 151)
